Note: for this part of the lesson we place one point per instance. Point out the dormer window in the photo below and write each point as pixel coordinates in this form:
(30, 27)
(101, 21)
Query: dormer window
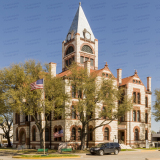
(69, 50)
(87, 48)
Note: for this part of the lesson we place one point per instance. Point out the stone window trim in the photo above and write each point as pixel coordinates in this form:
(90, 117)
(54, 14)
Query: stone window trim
(76, 128)
(87, 44)
(34, 127)
(76, 94)
(137, 92)
(136, 127)
(89, 58)
(103, 129)
(70, 45)
(19, 136)
(136, 110)
(67, 59)
(59, 139)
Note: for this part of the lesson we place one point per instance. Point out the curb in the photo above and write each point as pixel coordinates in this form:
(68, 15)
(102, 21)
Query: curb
(43, 157)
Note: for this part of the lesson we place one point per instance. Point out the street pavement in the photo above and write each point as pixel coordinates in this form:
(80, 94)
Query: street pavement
(124, 155)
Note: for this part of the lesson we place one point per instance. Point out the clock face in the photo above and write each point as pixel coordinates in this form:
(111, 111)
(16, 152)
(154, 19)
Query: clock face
(69, 37)
(87, 35)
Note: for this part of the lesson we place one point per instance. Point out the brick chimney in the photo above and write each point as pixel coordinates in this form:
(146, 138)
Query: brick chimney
(149, 84)
(87, 66)
(53, 68)
(119, 75)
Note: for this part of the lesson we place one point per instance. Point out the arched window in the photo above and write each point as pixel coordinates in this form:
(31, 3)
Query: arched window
(73, 134)
(17, 139)
(34, 134)
(136, 134)
(46, 134)
(138, 98)
(90, 134)
(69, 50)
(138, 116)
(79, 134)
(106, 133)
(87, 48)
(134, 115)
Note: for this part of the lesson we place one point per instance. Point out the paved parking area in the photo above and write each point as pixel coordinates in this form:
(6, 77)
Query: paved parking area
(125, 155)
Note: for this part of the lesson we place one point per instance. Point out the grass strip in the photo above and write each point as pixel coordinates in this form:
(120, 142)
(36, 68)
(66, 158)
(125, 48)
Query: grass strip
(128, 150)
(50, 155)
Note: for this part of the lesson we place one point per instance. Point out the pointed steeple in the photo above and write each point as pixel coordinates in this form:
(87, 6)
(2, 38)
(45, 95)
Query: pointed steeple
(80, 23)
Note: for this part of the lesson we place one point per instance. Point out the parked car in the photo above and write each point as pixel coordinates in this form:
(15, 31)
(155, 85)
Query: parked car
(102, 148)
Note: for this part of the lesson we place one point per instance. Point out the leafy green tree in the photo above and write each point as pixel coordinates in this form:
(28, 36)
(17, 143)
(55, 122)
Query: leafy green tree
(38, 103)
(156, 106)
(91, 91)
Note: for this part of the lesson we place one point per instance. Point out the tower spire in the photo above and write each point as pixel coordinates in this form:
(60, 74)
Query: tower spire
(80, 24)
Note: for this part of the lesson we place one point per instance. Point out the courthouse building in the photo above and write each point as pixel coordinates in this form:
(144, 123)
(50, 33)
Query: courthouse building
(131, 129)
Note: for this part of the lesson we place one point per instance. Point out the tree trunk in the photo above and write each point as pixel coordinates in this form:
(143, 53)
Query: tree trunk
(83, 138)
(8, 140)
(41, 138)
(83, 142)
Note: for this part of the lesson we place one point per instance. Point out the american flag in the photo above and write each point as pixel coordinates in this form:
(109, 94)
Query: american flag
(58, 134)
(37, 84)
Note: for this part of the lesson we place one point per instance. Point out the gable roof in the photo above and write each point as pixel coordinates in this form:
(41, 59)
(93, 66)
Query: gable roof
(130, 80)
(80, 23)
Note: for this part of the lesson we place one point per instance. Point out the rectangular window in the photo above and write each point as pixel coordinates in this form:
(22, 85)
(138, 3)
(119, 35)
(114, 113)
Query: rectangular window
(73, 113)
(146, 117)
(82, 59)
(146, 101)
(73, 92)
(134, 97)
(79, 94)
(134, 115)
(86, 59)
(91, 62)
(138, 116)
(138, 98)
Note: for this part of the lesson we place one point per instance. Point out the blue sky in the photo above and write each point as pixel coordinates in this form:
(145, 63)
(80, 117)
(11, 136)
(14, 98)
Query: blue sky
(128, 34)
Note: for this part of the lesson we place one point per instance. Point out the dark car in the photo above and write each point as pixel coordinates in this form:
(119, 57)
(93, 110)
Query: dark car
(102, 148)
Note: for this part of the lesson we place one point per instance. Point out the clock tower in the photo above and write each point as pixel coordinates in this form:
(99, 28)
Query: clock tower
(80, 44)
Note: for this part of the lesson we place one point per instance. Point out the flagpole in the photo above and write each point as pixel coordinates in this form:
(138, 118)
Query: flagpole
(44, 118)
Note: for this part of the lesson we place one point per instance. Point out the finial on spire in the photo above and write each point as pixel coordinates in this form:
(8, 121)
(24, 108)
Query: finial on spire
(135, 71)
(79, 3)
(106, 64)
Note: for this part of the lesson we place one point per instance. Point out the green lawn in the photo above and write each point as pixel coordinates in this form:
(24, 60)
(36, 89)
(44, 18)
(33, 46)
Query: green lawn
(128, 150)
